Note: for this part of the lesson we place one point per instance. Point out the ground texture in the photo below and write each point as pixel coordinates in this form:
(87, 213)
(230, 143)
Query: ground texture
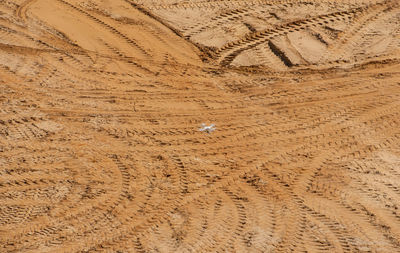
(101, 103)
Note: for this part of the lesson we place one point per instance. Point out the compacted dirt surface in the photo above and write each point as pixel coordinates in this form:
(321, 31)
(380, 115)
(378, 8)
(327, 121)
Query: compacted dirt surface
(101, 102)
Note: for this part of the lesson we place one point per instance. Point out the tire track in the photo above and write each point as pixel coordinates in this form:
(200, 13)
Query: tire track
(226, 54)
(105, 25)
(22, 9)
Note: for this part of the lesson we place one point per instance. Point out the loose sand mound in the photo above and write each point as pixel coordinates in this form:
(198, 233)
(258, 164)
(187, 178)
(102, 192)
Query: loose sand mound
(102, 101)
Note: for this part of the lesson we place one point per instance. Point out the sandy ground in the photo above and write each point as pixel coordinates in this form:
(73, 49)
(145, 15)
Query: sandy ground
(101, 102)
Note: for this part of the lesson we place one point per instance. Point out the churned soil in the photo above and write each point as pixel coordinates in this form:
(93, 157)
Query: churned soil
(101, 102)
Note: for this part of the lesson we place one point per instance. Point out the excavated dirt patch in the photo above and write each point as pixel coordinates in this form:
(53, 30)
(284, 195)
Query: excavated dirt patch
(102, 101)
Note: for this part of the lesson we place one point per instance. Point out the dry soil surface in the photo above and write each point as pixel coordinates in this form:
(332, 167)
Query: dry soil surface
(101, 102)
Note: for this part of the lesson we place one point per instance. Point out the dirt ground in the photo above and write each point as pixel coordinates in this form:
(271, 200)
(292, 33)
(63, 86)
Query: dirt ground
(101, 102)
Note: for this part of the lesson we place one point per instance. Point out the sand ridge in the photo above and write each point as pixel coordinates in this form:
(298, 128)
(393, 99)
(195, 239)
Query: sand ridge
(102, 101)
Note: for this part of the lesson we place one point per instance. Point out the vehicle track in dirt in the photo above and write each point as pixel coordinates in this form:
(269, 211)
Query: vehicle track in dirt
(100, 148)
(227, 53)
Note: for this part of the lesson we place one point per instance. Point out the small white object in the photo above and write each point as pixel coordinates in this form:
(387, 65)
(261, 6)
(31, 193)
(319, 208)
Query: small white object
(207, 129)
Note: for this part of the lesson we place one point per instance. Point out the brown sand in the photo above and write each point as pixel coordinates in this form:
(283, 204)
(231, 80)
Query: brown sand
(102, 100)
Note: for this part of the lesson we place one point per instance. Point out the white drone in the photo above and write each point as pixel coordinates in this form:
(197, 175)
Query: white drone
(208, 129)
